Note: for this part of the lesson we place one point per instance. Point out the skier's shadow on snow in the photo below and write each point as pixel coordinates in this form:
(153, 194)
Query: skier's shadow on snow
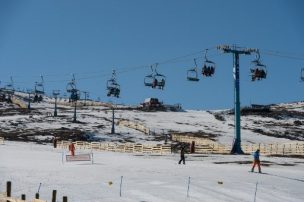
(284, 177)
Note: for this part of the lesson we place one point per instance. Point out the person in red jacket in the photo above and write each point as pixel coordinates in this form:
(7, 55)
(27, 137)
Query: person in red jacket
(72, 148)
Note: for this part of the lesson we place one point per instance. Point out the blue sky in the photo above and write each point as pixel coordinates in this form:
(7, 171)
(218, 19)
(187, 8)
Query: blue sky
(91, 38)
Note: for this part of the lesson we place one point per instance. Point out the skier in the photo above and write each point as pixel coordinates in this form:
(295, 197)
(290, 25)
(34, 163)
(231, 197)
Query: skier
(182, 156)
(256, 160)
(72, 148)
(55, 142)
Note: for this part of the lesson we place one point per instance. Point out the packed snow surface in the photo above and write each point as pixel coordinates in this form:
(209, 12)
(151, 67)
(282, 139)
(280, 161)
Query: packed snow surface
(149, 178)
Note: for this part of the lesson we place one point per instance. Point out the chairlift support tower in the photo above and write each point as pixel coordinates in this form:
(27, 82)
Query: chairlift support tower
(74, 92)
(113, 123)
(86, 96)
(236, 52)
(29, 99)
(55, 94)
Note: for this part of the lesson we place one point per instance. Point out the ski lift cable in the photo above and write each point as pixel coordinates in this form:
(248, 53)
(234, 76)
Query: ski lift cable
(184, 56)
(168, 61)
(120, 71)
(282, 55)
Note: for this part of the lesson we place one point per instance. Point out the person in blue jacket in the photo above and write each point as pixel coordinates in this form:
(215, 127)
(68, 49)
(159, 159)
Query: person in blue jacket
(256, 160)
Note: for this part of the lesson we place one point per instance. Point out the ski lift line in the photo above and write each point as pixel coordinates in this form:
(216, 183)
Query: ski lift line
(173, 60)
(185, 56)
(120, 70)
(283, 56)
(44, 75)
(191, 59)
(93, 77)
(15, 82)
(54, 81)
(126, 70)
(283, 52)
(82, 78)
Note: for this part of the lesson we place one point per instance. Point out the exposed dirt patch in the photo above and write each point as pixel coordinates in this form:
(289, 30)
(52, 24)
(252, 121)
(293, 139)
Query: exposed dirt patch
(199, 134)
(277, 114)
(18, 111)
(46, 135)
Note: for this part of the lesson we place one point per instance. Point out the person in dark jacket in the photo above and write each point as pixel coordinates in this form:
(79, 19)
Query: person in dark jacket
(182, 156)
(55, 142)
(256, 160)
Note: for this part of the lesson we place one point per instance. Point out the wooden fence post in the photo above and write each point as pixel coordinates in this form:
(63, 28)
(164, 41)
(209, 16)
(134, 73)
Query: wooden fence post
(23, 197)
(297, 148)
(65, 199)
(37, 196)
(54, 196)
(8, 188)
(270, 149)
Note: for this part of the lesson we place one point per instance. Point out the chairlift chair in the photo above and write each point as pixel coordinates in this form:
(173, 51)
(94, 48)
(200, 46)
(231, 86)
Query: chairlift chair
(39, 87)
(159, 81)
(113, 87)
(258, 71)
(9, 88)
(208, 68)
(70, 87)
(75, 95)
(302, 74)
(192, 74)
(155, 80)
(148, 80)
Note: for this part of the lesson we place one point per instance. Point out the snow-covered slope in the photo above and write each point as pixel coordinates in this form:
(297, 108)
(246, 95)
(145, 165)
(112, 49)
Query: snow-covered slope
(148, 177)
(283, 123)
